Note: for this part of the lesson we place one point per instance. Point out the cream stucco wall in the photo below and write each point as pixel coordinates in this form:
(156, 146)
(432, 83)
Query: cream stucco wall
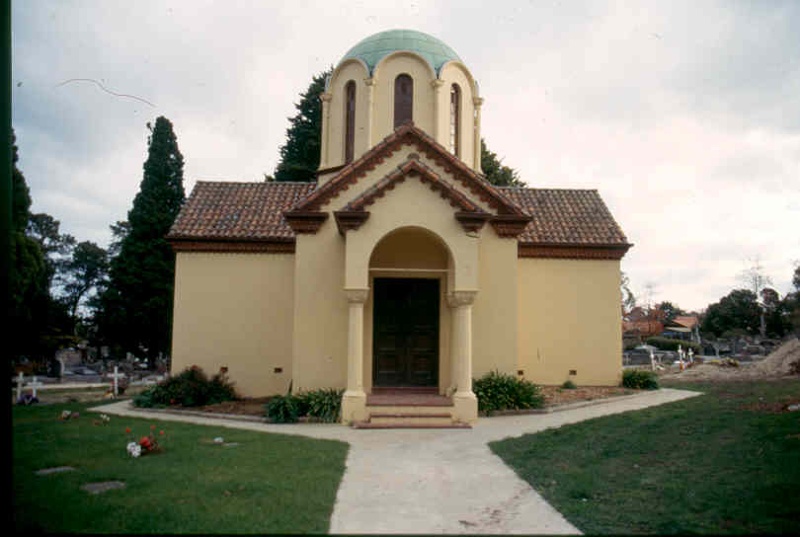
(494, 314)
(569, 319)
(235, 311)
(320, 311)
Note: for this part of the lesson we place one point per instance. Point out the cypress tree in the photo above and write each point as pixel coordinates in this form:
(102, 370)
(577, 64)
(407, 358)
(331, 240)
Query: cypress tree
(301, 153)
(28, 296)
(136, 307)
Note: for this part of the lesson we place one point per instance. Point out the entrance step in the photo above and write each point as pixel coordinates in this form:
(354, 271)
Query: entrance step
(409, 409)
(369, 425)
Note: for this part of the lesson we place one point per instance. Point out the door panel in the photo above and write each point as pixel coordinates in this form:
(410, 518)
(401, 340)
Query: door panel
(406, 332)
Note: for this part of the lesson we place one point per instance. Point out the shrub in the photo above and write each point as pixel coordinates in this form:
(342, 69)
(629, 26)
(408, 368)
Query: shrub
(639, 379)
(190, 388)
(500, 391)
(324, 405)
(569, 385)
(283, 409)
(670, 344)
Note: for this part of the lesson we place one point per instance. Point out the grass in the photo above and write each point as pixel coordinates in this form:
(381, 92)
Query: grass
(265, 483)
(725, 462)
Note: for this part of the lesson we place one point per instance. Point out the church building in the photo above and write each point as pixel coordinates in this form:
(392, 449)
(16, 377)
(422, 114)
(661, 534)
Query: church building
(401, 269)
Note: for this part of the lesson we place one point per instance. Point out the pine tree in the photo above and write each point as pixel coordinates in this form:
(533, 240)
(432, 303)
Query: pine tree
(136, 307)
(301, 153)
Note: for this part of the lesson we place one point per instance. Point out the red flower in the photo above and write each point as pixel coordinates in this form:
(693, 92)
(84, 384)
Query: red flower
(128, 430)
(145, 442)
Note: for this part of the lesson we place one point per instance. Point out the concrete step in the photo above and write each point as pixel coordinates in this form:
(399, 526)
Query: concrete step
(368, 425)
(410, 418)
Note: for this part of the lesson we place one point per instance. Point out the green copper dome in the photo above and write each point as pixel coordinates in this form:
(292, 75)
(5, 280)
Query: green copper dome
(374, 48)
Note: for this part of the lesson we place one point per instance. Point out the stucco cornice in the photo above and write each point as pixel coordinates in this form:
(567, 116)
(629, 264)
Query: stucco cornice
(305, 221)
(234, 246)
(560, 251)
(350, 220)
(456, 299)
(509, 226)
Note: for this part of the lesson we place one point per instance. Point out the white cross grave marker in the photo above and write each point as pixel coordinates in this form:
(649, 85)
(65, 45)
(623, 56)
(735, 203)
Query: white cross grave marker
(33, 385)
(20, 383)
(116, 376)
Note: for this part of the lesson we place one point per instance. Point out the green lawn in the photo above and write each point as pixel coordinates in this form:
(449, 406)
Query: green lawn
(724, 462)
(256, 483)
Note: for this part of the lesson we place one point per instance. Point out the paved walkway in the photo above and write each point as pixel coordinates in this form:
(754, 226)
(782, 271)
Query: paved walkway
(436, 480)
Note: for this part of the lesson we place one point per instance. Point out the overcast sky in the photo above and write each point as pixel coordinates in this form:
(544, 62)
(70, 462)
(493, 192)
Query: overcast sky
(685, 116)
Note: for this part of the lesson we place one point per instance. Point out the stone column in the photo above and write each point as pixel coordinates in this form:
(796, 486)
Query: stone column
(370, 82)
(477, 102)
(437, 84)
(326, 127)
(354, 401)
(464, 401)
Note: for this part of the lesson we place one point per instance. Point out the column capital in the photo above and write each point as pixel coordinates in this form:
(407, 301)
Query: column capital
(325, 97)
(370, 81)
(461, 298)
(437, 83)
(477, 101)
(356, 296)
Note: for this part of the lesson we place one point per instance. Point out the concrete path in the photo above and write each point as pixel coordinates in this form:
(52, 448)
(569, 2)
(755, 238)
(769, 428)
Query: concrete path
(436, 480)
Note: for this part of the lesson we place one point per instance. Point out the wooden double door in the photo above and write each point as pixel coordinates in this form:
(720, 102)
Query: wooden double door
(405, 348)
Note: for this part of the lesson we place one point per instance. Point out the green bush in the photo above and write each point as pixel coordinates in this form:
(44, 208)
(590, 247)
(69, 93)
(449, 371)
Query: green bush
(639, 379)
(324, 405)
(283, 409)
(669, 344)
(190, 388)
(500, 391)
(569, 385)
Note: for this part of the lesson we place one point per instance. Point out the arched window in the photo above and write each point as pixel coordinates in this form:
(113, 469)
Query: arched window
(403, 99)
(349, 120)
(455, 120)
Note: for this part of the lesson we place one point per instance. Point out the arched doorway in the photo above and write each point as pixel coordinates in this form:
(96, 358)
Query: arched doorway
(409, 274)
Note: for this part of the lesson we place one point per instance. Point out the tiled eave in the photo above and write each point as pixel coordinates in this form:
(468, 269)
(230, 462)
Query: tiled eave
(572, 251)
(280, 245)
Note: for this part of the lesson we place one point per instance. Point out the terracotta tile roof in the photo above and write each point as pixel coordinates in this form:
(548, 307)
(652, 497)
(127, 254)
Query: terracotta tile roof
(689, 321)
(238, 211)
(566, 217)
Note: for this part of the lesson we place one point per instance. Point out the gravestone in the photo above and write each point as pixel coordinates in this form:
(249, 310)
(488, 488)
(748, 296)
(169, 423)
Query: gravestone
(116, 375)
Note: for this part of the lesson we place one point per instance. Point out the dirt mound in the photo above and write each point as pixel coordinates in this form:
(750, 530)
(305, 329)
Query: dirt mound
(780, 361)
(777, 364)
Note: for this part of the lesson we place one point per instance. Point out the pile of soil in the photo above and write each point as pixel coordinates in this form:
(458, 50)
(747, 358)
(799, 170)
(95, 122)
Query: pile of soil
(777, 364)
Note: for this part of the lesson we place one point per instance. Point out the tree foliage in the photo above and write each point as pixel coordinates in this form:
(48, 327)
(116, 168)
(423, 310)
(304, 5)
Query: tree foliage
(136, 306)
(81, 275)
(36, 321)
(738, 311)
(628, 298)
(495, 171)
(669, 311)
(300, 155)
